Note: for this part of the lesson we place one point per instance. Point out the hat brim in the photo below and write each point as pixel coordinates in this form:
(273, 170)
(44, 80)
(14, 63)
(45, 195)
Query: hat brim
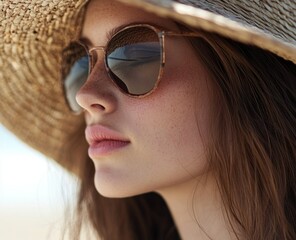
(32, 100)
(230, 22)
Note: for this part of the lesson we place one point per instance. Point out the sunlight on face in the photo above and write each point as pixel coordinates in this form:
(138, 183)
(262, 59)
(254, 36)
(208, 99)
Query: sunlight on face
(166, 129)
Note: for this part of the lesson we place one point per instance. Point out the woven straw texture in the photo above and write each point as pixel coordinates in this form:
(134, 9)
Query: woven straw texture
(33, 36)
(35, 33)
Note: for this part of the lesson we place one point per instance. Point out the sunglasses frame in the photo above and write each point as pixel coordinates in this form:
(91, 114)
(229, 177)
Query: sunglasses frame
(161, 37)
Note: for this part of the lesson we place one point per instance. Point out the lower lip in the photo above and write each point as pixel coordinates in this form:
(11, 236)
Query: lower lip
(105, 147)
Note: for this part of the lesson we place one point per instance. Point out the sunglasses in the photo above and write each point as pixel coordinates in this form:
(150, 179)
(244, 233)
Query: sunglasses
(134, 60)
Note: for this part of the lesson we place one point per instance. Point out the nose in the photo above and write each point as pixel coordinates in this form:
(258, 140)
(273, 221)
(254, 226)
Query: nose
(97, 95)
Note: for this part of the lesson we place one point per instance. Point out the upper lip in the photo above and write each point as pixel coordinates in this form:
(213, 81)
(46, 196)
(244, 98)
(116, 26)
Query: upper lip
(97, 133)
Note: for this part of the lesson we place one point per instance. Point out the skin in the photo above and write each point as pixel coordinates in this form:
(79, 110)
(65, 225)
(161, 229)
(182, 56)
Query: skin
(167, 129)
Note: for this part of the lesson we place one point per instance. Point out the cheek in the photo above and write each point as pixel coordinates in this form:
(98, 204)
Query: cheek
(172, 122)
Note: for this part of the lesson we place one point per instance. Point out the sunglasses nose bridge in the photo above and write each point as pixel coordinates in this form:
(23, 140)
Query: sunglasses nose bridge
(93, 53)
(97, 48)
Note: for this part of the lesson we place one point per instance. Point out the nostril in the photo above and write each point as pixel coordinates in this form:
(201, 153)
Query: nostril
(98, 106)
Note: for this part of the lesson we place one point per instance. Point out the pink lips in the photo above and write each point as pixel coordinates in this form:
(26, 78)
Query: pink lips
(103, 140)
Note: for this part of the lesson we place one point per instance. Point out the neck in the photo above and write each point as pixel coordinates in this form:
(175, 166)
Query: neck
(197, 210)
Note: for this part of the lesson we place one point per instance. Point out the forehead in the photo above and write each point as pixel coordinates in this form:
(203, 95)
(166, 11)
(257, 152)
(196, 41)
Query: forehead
(103, 15)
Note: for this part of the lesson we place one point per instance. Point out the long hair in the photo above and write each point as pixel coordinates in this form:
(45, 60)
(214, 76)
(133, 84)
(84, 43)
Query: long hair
(252, 151)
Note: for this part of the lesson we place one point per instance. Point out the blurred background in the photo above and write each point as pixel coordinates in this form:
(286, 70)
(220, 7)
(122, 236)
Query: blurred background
(34, 192)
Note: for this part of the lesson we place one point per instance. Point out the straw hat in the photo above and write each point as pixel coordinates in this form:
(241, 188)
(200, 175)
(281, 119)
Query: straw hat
(37, 34)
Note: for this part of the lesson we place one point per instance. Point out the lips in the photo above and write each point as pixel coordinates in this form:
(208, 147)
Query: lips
(103, 141)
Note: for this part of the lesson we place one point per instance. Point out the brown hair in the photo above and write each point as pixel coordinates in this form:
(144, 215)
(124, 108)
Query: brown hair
(252, 152)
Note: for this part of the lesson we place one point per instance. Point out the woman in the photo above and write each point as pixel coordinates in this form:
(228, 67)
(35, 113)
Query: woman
(189, 120)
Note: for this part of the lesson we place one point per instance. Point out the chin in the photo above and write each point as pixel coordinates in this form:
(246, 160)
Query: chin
(112, 193)
(111, 189)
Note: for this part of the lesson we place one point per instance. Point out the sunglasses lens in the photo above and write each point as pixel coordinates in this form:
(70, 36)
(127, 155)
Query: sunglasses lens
(74, 81)
(134, 60)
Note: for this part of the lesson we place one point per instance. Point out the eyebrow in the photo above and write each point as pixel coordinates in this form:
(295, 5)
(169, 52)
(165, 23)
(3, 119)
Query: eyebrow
(110, 33)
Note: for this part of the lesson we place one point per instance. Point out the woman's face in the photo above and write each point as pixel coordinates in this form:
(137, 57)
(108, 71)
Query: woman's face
(157, 141)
